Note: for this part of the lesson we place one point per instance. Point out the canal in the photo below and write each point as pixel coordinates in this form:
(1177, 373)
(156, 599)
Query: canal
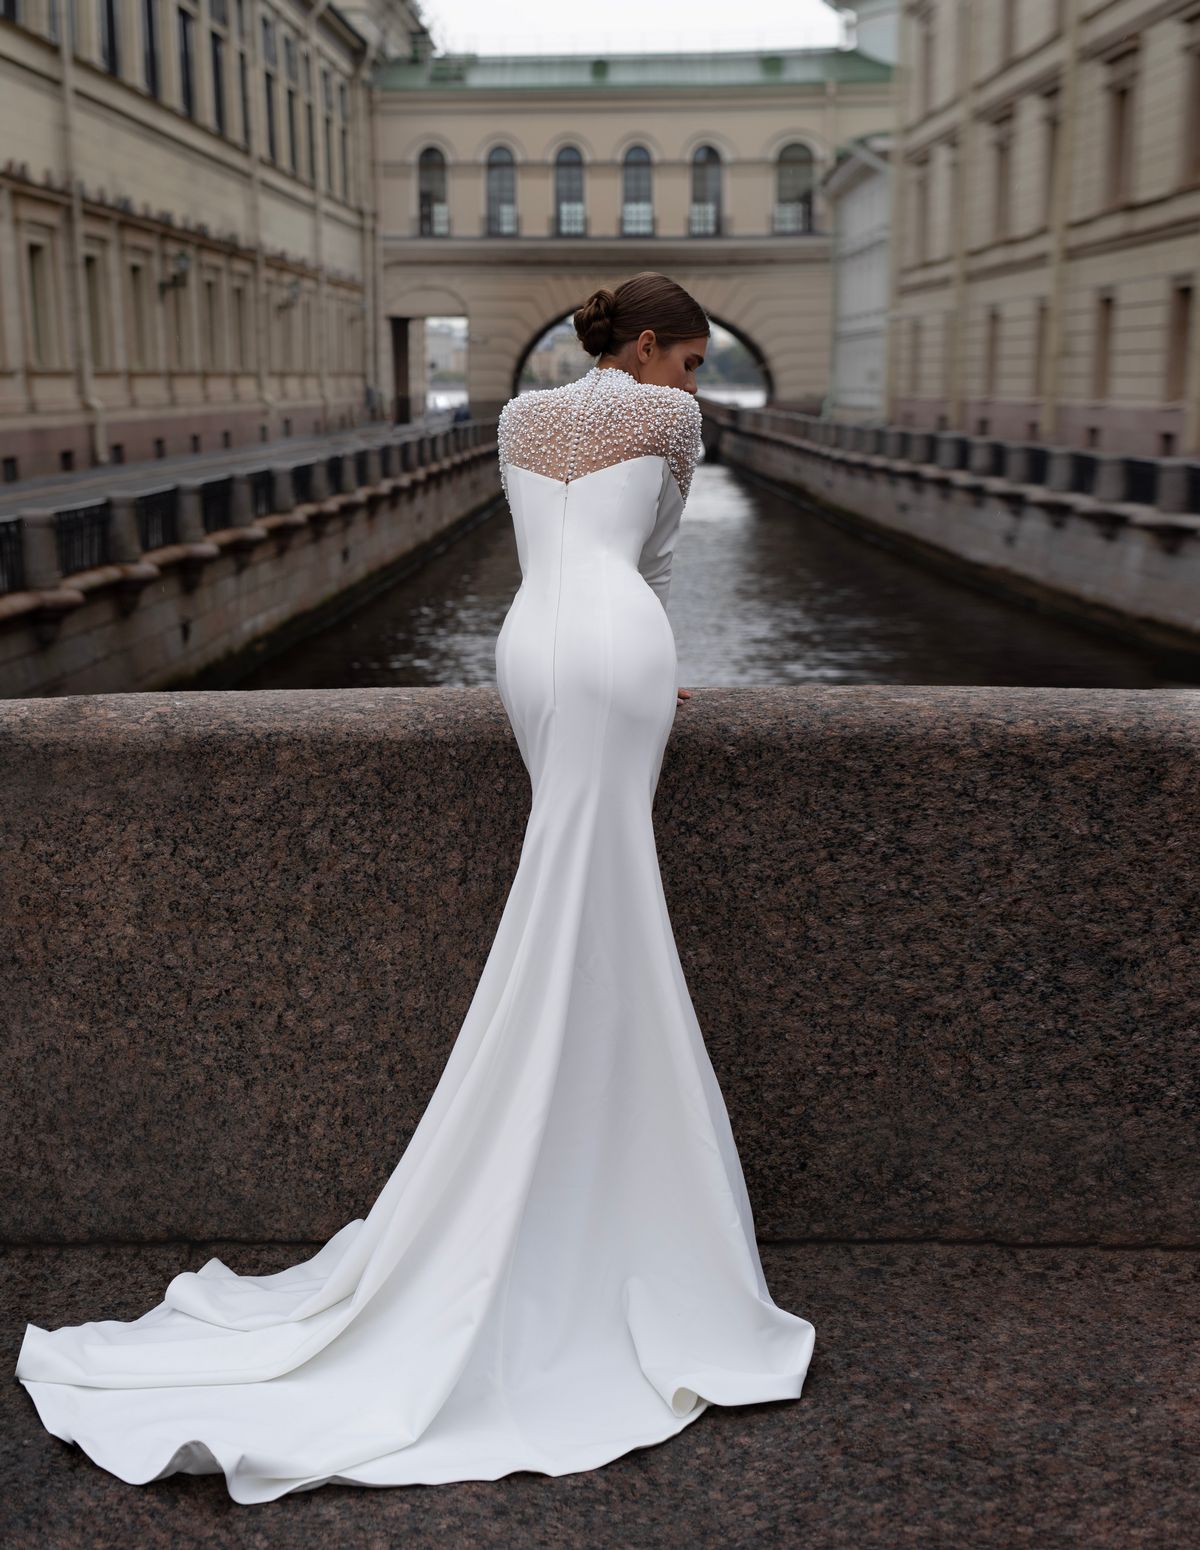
(763, 591)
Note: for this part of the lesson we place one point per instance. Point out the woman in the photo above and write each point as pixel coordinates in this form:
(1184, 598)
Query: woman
(562, 1266)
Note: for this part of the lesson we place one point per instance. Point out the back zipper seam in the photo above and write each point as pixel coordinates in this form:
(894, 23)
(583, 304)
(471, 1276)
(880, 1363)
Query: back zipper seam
(562, 542)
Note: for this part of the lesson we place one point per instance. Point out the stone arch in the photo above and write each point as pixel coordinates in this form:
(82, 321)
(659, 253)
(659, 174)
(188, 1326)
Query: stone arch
(433, 141)
(743, 338)
(503, 140)
(424, 301)
(563, 139)
(531, 344)
(752, 347)
(632, 137)
(816, 144)
(719, 142)
(779, 315)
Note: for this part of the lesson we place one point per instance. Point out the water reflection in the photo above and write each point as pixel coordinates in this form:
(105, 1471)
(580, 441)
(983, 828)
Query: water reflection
(763, 592)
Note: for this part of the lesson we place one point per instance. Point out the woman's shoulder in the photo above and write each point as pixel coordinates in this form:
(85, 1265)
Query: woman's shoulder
(675, 429)
(534, 411)
(521, 402)
(664, 413)
(672, 416)
(667, 395)
(674, 409)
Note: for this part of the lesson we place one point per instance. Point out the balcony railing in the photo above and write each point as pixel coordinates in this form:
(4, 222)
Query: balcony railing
(502, 221)
(793, 219)
(637, 219)
(434, 221)
(570, 219)
(704, 220)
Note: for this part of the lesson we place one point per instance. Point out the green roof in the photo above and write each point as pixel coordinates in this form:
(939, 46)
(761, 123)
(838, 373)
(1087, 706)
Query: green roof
(635, 72)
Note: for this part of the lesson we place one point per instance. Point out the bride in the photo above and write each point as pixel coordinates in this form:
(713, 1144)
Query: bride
(562, 1266)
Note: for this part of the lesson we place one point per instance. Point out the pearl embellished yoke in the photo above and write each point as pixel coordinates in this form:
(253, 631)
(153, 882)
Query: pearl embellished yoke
(607, 416)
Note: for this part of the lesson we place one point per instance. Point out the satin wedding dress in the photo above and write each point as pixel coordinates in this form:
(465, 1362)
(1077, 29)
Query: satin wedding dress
(562, 1266)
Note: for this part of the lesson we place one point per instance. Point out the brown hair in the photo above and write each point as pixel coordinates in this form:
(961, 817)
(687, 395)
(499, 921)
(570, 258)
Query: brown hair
(609, 319)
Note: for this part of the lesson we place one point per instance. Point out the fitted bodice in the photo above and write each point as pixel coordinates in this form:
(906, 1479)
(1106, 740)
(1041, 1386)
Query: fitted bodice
(598, 469)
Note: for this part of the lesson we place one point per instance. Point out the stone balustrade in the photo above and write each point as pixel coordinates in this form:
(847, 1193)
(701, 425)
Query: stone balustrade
(940, 941)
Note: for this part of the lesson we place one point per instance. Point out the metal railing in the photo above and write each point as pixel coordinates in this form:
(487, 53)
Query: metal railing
(12, 555)
(82, 535)
(262, 491)
(158, 517)
(216, 504)
(302, 483)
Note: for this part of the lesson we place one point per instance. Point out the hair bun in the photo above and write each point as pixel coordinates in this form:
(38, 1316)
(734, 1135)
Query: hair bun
(594, 321)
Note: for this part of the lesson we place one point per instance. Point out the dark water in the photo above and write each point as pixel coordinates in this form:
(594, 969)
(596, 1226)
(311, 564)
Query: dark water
(763, 591)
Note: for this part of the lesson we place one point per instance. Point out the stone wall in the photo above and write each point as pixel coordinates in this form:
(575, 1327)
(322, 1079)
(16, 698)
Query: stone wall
(941, 943)
(147, 591)
(1108, 539)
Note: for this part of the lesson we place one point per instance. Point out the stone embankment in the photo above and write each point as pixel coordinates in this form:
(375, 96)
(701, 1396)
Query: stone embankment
(1111, 541)
(150, 589)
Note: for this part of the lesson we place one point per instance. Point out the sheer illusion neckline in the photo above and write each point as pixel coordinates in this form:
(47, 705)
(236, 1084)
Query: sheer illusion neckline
(659, 457)
(600, 420)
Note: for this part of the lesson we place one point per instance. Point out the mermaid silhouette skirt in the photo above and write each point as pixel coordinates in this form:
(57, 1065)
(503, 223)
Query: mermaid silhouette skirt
(562, 1266)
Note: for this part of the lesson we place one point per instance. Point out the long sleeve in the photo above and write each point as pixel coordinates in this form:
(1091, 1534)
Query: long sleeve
(654, 562)
(505, 435)
(681, 425)
(681, 445)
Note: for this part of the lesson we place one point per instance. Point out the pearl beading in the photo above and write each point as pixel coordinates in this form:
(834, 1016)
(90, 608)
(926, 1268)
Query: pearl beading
(606, 416)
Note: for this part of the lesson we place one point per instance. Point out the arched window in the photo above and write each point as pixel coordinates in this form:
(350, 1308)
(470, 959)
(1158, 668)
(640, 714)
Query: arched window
(795, 173)
(637, 206)
(501, 193)
(569, 217)
(434, 212)
(705, 215)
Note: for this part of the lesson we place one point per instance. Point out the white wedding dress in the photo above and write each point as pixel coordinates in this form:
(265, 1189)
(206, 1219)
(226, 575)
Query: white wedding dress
(562, 1266)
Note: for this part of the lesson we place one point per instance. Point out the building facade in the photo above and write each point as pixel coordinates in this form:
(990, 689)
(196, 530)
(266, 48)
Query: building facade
(859, 192)
(510, 187)
(187, 240)
(1047, 223)
(224, 222)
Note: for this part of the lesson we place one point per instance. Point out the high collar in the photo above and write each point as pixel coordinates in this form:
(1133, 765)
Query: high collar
(612, 371)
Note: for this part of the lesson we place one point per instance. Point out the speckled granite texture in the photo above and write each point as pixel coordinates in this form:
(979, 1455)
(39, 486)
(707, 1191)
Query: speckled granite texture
(942, 943)
(963, 1397)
